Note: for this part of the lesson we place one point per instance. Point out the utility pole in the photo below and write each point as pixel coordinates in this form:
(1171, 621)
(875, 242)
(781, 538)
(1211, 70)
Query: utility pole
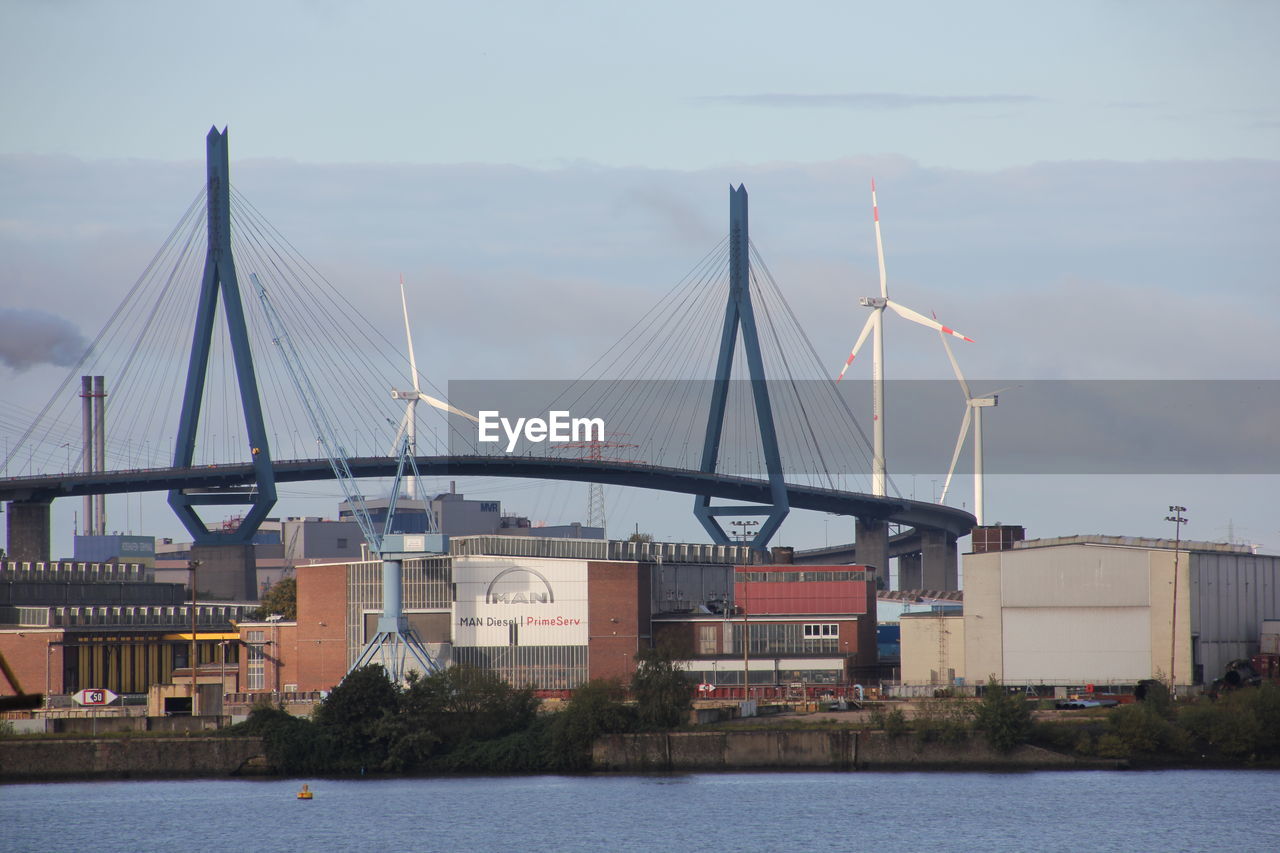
(1178, 521)
(193, 565)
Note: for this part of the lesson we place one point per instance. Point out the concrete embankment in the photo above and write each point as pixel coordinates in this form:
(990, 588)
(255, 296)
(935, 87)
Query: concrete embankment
(813, 750)
(29, 759)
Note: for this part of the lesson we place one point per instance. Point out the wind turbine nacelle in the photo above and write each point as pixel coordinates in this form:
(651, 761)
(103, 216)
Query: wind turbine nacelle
(985, 402)
(872, 301)
(404, 395)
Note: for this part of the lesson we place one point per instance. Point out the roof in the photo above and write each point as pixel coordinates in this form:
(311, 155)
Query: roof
(1135, 542)
(916, 596)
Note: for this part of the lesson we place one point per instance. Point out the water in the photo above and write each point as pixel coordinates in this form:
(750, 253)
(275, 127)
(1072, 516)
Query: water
(1078, 811)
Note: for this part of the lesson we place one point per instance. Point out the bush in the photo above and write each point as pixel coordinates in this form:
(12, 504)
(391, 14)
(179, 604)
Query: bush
(663, 691)
(893, 722)
(1003, 717)
(292, 745)
(943, 721)
(595, 709)
(1241, 724)
(1140, 729)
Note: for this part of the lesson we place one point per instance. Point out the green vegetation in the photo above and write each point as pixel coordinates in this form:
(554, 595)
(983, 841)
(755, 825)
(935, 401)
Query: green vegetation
(1002, 717)
(663, 691)
(282, 598)
(463, 720)
(466, 720)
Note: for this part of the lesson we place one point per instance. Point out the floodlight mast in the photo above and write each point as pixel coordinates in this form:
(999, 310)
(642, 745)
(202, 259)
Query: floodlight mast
(395, 645)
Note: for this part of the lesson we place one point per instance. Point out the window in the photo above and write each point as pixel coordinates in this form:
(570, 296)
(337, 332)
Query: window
(820, 631)
(255, 676)
(342, 542)
(707, 640)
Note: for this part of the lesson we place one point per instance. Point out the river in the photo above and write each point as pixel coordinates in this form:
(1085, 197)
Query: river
(1079, 811)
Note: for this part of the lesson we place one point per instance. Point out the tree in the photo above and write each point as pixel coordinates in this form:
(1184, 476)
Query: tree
(1003, 717)
(354, 715)
(596, 708)
(282, 598)
(663, 691)
(640, 537)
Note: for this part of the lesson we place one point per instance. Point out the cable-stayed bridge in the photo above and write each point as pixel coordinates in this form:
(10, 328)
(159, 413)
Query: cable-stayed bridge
(717, 389)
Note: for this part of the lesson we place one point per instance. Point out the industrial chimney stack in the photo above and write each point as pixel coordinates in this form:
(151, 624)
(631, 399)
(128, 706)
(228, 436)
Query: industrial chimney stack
(93, 409)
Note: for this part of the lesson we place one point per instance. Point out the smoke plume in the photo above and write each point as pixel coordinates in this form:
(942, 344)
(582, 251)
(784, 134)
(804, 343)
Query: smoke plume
(29, 337)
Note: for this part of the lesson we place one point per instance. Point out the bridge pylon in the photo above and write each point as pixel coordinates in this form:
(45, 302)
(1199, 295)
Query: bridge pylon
(739, 315)
(219, 281)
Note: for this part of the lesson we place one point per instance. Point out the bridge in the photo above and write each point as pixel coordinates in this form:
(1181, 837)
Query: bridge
(933, 528)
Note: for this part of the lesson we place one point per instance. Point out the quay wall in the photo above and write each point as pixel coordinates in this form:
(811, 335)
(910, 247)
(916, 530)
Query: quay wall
(813, 750)
(31, 759)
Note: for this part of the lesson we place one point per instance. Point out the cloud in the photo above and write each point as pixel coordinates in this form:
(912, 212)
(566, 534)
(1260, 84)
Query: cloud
(29, 337)
(863, 100)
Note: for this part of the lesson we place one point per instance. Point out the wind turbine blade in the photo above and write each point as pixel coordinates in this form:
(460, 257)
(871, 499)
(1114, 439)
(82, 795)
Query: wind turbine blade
(916, 317)
(875, 213)
(955, 457)
(955, 365)
(413, 361)
(862, 337)
(445, 407)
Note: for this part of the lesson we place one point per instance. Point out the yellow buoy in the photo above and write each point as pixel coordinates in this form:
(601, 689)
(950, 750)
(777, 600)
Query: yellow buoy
(305, 793)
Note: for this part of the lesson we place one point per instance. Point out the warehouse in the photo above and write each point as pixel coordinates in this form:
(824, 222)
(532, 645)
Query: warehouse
(1110, 610)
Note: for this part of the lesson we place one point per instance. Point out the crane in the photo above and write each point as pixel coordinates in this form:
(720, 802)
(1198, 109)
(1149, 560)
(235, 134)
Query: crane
(395, 644)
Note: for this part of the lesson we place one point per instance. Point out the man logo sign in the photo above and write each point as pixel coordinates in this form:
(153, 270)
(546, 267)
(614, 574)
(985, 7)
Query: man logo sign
(535, 588)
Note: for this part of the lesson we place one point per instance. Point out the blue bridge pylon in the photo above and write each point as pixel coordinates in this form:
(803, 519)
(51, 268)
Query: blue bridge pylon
(738, 314)
(220, 280)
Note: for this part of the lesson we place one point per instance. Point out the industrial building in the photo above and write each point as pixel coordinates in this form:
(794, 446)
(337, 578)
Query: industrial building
(554, 613)
(1104, 610)
(785, 626)
(69, 626)
(456, 515)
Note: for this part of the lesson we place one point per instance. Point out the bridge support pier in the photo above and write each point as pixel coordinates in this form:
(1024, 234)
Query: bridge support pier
(227, 572)
(938, 561)
(871, 544)
(28, 531)
(910, 571)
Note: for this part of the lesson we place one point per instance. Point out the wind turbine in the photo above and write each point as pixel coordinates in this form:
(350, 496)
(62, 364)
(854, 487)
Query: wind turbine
(973, 407)
(875, 323)
(409, 423)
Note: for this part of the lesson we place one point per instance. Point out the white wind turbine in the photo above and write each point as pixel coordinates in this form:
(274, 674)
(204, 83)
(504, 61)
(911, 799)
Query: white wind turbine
(409, 423)
(973, 407)
(876, 323)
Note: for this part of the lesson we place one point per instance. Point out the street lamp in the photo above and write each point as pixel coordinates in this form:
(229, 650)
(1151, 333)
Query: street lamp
(745, 529)
(193, 565)
(274, 619)
(1178, 521)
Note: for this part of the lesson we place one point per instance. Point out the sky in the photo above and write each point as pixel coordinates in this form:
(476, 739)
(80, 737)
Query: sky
(1090, 191)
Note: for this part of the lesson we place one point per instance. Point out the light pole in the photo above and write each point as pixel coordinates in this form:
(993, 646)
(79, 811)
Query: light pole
(274, 619)
(193, 565)
(1178, 521)
(745, 529)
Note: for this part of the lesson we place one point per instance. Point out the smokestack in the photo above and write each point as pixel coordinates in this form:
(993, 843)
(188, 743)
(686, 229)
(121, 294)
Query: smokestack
(100, 442)
(86, 451)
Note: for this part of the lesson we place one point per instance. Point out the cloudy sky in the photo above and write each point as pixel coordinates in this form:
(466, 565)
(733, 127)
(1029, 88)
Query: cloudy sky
(1089, 191)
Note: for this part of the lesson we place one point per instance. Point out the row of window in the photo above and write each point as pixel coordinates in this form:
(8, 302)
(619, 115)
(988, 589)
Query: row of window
(761, 677)
(802, 577)
(780, 638)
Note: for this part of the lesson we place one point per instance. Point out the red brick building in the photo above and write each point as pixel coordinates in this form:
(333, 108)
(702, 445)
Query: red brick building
(812, 626)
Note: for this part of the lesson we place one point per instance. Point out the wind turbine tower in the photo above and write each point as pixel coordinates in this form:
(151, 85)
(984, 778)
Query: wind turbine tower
(875, 327)
(409, 423)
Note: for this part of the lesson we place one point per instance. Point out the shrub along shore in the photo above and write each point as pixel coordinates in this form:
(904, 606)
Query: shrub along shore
(466, 720)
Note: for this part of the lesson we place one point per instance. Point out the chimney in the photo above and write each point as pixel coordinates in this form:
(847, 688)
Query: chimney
(996, 537)
(783, 555)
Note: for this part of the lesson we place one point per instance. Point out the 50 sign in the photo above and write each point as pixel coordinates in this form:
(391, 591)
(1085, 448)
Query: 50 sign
(95, 696)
